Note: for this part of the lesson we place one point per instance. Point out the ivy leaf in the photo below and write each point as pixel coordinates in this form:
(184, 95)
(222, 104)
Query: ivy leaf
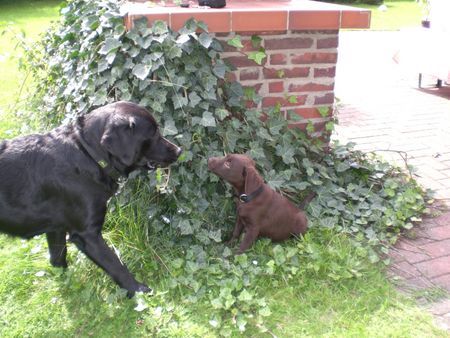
(279, 255)
(208, 119)
(258, 56)
(222, 113)
(185, 227)
(219, 69)
(216, 235)
(236, 42)
(286, 152)
(141, 305)
(110, 57)
(324, 111)
(292, 99)
(140, 23)
(342, 166)
(110, 45)
(275, 183)
(310, 127)
(205, 39)
(141, 71)
(174, 52)
(183, 38)
(99, 97)
(275, 126)
(265, 312)
(170, 128)
(102, 65)
(256, 41)
(245, 296)
(202, 25)
(194, 99)
(159, 27)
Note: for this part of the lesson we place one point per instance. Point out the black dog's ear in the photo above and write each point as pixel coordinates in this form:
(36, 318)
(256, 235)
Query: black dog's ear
(118, 140)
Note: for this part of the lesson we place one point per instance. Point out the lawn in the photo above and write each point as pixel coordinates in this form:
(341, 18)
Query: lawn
(337, 293)
(19, 21)
(398, 14)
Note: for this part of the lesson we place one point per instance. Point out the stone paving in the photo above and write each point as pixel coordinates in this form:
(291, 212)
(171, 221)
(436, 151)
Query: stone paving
(381, 109)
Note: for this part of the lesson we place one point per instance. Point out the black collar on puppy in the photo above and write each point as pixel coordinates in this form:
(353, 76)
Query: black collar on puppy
(106, 167)
(244, 198)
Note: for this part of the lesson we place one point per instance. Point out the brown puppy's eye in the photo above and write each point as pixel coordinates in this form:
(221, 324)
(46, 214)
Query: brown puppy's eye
(227, 163)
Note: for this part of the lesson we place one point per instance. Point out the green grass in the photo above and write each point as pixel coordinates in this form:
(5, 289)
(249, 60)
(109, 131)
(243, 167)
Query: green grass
(83, 302)
(19, 20)
(37, 300)
(399, 14)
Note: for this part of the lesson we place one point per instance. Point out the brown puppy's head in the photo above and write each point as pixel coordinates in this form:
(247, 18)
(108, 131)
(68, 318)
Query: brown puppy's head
(238, 170)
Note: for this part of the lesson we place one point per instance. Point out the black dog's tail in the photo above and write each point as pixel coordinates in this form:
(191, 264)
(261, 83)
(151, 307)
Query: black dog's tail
(303, 204)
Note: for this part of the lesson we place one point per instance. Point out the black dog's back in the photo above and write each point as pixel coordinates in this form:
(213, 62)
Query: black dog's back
(33, 200)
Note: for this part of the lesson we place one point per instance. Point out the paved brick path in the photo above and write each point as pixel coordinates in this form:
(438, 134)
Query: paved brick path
(382, 110)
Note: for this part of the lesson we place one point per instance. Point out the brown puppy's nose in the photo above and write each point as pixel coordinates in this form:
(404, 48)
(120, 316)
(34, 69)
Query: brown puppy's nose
(211, 162)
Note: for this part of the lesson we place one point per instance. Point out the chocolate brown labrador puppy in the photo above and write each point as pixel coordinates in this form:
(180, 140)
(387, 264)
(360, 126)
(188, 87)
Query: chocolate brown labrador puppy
(261, 211)
(59, 183)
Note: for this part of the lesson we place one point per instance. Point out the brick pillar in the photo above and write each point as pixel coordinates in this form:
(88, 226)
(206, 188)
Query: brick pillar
(298, 63)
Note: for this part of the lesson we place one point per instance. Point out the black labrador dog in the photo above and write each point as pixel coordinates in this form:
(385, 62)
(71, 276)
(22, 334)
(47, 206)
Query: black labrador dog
(59, 183)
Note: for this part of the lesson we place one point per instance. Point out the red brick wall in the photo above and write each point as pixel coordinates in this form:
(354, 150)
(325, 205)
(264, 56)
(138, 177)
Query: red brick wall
(308, 61)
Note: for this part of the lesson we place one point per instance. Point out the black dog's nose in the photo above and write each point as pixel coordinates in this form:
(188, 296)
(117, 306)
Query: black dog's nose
(178, 151)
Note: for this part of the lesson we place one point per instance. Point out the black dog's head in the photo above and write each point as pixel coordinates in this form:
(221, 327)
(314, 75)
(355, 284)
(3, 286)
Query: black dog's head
(129, 136)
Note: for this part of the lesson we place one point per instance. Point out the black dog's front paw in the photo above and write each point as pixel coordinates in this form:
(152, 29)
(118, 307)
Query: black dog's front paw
(139, 288)
(59, 263)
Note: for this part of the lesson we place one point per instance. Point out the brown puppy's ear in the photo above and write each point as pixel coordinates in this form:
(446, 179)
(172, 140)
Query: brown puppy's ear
(253, 179)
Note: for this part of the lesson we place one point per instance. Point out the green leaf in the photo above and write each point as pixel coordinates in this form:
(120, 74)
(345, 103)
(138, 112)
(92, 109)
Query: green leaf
(323, 111)
(310, 127)
(219, 69)
(102, 65)
(256, 41)
(159, 27)
(208, 119)
(279, 255)
(169, 128)
(205, 39)
(245, 296)
(265, 311)
(203, 26)
(141, 71)
(292, 99)
(236, 42)
(275, 183)
(258, 56)
(183, 38)
(185, 227)
(221, 113)
(342, 166)
(110, 45)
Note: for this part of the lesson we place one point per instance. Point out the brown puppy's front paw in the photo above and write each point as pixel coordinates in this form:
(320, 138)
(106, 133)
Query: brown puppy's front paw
(230, 242)
(238, 252)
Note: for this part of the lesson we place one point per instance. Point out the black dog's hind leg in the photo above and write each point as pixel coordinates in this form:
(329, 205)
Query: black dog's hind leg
(57, 247)
(94, 246)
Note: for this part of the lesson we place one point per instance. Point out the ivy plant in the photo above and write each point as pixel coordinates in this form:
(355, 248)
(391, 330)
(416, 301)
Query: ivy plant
(90, 59)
